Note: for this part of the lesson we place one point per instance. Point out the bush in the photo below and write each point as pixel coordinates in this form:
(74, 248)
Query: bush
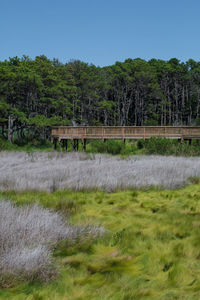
(5, 145)
(164, 146)
(97, 147)
(109, 146)
(158, 145)
(129, 148)
(114, 147)
(24, 145)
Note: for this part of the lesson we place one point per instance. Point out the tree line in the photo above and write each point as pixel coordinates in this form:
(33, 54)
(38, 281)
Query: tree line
(37, 94)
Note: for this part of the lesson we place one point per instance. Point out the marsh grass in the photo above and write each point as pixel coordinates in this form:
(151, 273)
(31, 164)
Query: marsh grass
(151, 249)
(81, 171)
(29, 233)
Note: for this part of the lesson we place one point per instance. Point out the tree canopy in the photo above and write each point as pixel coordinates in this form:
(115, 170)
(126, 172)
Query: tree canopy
(36, 94)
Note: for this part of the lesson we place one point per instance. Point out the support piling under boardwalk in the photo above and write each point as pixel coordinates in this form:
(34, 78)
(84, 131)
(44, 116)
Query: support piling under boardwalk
(63, 134)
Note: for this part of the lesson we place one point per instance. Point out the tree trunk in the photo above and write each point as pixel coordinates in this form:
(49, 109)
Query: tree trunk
(10, 128)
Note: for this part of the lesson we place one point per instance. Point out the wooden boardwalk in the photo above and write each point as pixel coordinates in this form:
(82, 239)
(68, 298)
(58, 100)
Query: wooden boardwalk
(64, 133)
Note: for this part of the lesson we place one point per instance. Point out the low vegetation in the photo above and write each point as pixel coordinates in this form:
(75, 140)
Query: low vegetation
(160, 146)
(81, 171)
(151, 249)
(163, 146)
(27, 236)
(156, 146)
(27, 146)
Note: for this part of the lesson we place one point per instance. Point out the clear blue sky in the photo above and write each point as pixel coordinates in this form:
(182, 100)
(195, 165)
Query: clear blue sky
(99, 31)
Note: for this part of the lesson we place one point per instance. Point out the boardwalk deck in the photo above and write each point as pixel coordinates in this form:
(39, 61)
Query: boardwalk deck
(83, 133)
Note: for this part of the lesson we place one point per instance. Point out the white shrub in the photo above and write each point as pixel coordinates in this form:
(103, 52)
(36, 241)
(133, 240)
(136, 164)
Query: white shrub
(27, 236)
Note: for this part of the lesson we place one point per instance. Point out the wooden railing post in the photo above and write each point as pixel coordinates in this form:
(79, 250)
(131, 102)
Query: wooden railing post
(123, 134)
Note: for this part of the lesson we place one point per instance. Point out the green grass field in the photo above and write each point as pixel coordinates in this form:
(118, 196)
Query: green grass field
(151, 249)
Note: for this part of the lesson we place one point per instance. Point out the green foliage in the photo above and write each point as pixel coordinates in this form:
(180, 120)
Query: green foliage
(171, 147)
(114, 147)
(5, 145)
(42, 121)
(158, 145)
(29, 147)
(109, 146)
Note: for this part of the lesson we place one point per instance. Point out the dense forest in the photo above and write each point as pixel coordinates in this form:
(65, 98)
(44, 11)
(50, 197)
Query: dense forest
(36, 94)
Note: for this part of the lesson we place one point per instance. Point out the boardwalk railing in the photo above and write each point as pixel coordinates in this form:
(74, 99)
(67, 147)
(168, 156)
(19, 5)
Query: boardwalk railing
(64, 133)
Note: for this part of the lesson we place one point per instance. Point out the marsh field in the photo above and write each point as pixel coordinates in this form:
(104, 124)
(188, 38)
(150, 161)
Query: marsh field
(90, 226)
